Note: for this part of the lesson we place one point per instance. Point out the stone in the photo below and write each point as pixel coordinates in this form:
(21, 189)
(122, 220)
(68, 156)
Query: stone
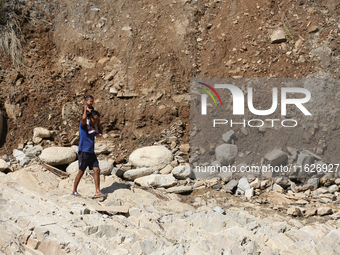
(219, 210)
(283, 182)
(156, 180)
(276, 157)
(19, 155)
(40, 132)
(33, 152)
(73, 167)
(180, 189)
(310, 212)
(154, 157)
(313, 29)
(249, 193)
(255, 184)
(226, 153)
(58, 155)
(294, 211)
(181, 172)
(217, 187)
(118, 172)
(314, 182)
(133, 174)
(277, 188)
(24, 162)
(243, 185)
(185, 148)
(332, 189)
(228, 136)
(3, 165)
(278, 36)
(231, 186)
(324, 211)
(305, 159)
(166, 170)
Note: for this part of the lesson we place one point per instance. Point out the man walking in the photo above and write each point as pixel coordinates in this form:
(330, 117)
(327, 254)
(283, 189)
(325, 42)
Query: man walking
(86, 155)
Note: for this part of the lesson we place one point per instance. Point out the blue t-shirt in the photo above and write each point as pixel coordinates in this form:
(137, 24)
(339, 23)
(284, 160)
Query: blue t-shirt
(86, 142)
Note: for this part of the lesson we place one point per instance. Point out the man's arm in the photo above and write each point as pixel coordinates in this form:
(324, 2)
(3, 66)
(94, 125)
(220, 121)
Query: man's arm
(83, 117)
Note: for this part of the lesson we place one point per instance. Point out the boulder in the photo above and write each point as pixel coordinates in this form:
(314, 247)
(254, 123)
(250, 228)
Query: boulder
(154, 157)
(181, 172)
(133, 174)
(226, 153)
(73, 167)
(58, 155)
(276, 157)
(294, 211)
(3, 165)
(156, 180)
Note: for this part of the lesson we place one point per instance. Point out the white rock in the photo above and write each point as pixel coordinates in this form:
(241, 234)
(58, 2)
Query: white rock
(154, 157)
(324, 211)
(249, 193)
(181, 172)
(226, 153)
(243, 185)
(278, 36)
(133, 174)
(58, 155)
(156, 180)
(73, 167)
(3, 165)
(19, 155)
(33, 152)
(180, 189)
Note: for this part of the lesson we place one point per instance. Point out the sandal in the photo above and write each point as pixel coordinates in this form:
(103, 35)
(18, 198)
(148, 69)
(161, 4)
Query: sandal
(100, 195)
(76, 194)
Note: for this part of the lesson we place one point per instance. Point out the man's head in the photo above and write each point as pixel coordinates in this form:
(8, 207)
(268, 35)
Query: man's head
(89, 100)
(94, 116)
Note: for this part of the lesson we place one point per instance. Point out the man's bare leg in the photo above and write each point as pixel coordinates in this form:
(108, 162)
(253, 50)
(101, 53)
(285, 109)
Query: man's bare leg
(97, 180)
(77, 180)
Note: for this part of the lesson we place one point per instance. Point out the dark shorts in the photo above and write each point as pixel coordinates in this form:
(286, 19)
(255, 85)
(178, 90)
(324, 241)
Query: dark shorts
(86, 159)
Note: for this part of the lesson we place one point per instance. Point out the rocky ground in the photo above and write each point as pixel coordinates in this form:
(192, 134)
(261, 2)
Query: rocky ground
(137, 58)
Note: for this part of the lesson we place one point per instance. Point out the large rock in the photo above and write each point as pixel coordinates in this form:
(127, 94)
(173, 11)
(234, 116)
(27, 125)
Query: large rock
(18, 154)
(231, 186)
(154, 157)
(3, 165)
(156, 180)
(58, 155)
(181, 172)
(133, 174)
(226, 153)
(276, 157)
(104, 166)
(228, 136)
(39, 133)
(305, 159)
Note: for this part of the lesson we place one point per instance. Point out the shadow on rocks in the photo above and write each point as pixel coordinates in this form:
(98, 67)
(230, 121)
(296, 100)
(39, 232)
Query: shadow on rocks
(114, 186)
